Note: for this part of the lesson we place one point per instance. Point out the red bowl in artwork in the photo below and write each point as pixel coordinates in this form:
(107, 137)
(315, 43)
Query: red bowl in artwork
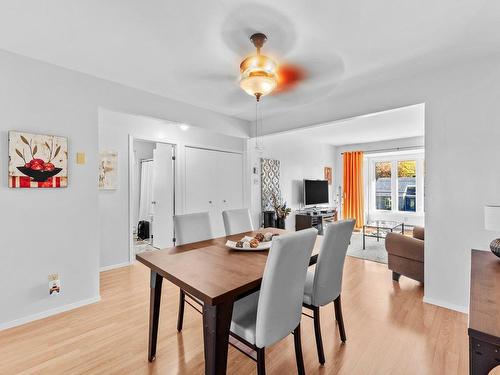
(39, 176)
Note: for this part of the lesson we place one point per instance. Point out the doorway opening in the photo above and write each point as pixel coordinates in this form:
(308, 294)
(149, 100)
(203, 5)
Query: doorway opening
(152, 195)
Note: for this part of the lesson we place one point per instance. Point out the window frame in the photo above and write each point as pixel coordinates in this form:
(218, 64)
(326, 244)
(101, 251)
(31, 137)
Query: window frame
(394, 159)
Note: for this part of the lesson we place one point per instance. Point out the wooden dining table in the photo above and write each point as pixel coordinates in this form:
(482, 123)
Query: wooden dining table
(217, 276)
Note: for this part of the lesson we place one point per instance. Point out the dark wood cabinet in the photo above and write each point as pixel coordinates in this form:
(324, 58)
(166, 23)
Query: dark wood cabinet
(484, 313)
(317, 219)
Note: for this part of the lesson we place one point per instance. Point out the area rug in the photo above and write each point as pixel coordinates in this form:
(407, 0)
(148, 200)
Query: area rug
(375, 251)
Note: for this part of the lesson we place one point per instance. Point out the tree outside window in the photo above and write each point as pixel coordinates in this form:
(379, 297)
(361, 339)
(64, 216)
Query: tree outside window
(407, 185)
(383, 191)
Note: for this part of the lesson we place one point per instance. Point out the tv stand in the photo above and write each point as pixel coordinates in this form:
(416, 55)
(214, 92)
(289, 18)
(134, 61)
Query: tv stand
(317, 217)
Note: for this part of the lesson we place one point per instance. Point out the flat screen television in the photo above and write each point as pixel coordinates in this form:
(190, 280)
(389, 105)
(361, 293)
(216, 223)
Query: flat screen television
(315, 192)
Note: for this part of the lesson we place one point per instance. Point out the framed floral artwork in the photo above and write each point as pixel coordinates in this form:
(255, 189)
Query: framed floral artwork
(37, 161)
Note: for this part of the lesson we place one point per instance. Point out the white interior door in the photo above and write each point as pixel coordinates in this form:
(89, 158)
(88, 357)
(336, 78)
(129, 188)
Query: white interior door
(163, 196)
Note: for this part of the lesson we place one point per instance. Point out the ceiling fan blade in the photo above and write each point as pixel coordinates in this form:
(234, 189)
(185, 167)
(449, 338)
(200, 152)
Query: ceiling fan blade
(321, 68)
(306, 74)
(289, 76)
(248, 19)
(219, 77)
(306, 94)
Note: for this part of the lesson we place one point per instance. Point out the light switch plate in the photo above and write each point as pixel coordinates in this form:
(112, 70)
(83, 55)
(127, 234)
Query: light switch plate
(80, 158)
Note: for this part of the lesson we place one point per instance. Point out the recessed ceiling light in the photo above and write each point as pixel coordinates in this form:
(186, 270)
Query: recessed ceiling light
(184, 127)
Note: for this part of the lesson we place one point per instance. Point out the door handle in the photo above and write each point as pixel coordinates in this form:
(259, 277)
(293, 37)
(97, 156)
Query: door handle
(224, 201)
(210, 202)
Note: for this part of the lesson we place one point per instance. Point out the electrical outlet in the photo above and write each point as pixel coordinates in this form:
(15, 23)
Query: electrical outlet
(54, 284)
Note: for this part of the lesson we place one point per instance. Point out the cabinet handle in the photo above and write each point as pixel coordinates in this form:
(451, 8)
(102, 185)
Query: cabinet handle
(210, 202)
(224, 201)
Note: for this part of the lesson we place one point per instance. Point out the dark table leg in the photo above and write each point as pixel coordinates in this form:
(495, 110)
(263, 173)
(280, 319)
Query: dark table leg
(364, 237)
(216, 323)
(403, 228)
(154, 313)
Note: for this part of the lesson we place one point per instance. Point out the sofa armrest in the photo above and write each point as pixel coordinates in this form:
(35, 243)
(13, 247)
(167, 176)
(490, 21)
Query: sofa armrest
(403, 246)
(418, 232)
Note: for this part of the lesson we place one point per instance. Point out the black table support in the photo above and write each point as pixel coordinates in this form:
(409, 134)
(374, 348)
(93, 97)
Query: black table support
(216, 324)
(154, 313)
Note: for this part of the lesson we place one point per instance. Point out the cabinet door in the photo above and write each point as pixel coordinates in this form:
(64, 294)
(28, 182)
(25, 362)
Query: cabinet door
(230, 180)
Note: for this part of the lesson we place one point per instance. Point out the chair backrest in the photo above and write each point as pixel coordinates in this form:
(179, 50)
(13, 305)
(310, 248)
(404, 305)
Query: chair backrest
(330, 266)
(237, 221)
(192, 228)
(282, 289)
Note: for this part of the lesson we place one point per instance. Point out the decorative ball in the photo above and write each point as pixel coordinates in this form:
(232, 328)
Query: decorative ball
(495, 247)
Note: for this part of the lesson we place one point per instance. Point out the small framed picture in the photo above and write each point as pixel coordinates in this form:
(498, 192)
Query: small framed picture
(328, 174)
(108, 170)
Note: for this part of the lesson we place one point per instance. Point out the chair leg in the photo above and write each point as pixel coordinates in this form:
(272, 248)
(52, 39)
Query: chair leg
(298, 351)
(180, 316)
(261, 361)
(340, 319)
(317, 333)
(395, 276)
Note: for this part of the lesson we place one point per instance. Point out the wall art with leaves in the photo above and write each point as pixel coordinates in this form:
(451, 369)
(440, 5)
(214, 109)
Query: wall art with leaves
(37, 161)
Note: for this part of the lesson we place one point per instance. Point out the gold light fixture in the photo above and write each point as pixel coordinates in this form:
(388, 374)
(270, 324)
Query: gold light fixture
(258, 73)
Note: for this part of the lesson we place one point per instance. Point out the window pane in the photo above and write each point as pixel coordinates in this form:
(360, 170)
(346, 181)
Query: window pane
(383, 185)
(407, 185)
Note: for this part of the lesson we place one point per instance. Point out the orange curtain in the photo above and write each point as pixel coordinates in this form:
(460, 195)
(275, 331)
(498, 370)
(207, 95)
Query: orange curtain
(353, 188)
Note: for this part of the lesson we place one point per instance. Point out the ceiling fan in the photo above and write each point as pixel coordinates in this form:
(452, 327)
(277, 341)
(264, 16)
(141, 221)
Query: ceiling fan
(305, 70)
(260, 75)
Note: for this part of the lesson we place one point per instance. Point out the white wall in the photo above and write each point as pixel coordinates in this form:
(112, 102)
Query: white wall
(462, 129)
(114, 131)
(299, 159)
(56, 230)
(414, 142)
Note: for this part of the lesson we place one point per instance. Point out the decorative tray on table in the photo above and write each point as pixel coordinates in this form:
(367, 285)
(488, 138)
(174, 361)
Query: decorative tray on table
(259, 242)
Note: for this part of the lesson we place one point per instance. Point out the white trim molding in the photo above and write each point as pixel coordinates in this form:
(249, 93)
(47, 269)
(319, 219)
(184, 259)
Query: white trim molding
(113, 266)
(47, 313)
(446, 305)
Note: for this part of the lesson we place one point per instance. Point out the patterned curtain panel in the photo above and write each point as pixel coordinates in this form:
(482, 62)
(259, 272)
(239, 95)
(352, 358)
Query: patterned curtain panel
(270, 182)
(353, 187)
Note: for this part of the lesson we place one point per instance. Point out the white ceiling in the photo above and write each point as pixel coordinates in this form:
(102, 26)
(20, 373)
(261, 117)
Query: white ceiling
(398, 123)
(190, 50)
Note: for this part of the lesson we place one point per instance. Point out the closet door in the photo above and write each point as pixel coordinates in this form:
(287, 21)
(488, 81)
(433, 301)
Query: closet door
(214, 182)
(201, 188)
(230, 180)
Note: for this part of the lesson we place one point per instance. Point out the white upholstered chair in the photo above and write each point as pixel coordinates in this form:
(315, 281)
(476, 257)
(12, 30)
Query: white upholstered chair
(265, 317)
(324, 283)
(237, 221)
(190, 228)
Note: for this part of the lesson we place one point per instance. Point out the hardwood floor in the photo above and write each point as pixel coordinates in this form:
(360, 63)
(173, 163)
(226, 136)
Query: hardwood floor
(389, 331)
